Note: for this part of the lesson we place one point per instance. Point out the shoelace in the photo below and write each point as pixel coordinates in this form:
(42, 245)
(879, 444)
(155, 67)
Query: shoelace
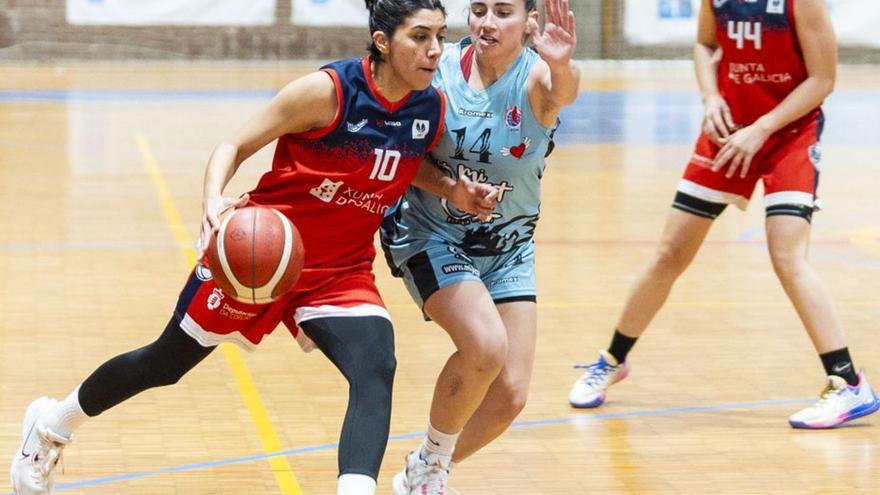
(50, 453)
(826, 394)
(433, 478)
(596, 372)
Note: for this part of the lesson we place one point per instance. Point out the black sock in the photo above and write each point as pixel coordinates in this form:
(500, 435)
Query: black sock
(620, 346)
(840, 364)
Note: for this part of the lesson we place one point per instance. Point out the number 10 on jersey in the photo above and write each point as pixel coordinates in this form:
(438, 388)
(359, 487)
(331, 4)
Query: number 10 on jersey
(385, 165)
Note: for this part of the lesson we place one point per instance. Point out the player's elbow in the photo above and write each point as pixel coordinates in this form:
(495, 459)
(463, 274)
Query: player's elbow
(824, 84)
(828, 84)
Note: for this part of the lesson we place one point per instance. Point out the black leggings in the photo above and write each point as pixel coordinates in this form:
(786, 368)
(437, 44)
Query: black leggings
(362, 348)
(158, 364)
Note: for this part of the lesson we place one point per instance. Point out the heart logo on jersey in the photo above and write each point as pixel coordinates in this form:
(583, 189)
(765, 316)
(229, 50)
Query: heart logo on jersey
(517, 151)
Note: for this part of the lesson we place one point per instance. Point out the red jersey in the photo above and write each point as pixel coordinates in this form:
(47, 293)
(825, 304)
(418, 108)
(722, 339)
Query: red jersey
(761, 59)
(336, 183)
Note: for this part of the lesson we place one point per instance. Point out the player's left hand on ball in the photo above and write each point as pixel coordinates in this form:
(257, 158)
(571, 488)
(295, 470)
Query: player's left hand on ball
(212, 209)
(475, 198)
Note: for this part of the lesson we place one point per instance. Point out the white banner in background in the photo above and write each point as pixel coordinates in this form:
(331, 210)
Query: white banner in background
(354, 12)
(650, 22)
(171, 12)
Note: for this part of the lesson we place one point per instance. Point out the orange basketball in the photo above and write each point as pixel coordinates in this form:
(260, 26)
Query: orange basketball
(256, 255)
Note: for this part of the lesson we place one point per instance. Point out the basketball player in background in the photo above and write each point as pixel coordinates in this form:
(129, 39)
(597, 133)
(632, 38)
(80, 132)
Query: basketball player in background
(764, 68)
(329, 157)
(504, 100)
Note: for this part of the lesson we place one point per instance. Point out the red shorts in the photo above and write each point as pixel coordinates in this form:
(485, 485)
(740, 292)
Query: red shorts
(211, 317)
(788, 165)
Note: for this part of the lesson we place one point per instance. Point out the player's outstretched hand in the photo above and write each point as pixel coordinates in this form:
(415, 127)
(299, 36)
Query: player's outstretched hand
(556, 44)
(474, 197)
(212, 208)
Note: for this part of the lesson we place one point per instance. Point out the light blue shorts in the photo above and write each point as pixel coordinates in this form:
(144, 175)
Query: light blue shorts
(510, 277)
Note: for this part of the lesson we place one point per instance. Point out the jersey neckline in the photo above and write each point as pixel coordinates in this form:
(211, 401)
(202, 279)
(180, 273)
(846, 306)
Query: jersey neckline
(389, 106)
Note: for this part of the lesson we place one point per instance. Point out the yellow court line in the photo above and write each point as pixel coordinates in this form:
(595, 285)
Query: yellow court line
(280, 467)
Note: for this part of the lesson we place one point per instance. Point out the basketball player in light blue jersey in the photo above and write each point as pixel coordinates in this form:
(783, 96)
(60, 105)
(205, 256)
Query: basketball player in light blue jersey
(472, 275)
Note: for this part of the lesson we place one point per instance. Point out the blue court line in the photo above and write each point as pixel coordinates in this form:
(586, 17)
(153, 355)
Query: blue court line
(127, 95)
(631, 117)
(574, 419)
(749, 235)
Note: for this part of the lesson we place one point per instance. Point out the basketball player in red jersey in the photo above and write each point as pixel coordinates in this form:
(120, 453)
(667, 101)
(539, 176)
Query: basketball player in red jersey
(351, 138)
(763, 67)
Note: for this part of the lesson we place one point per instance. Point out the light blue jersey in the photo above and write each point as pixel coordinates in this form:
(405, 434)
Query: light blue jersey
(493, 137)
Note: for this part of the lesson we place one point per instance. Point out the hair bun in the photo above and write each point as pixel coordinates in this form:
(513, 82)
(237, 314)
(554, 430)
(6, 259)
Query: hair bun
(370, 4)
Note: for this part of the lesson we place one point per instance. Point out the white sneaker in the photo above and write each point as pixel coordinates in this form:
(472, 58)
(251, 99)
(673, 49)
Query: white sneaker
(33, 466)
(421, 478)
(838, 403)
(589, 389)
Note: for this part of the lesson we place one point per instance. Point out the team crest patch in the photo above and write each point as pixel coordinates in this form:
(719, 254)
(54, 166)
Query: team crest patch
(815, 155)
(203, 273)
(214, 299)
(420, 128)
(513, 118)
(326, 191)
(517, 151)
(775, 6)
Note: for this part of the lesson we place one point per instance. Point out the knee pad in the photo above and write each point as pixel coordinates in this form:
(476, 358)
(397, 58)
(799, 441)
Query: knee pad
(361, 347)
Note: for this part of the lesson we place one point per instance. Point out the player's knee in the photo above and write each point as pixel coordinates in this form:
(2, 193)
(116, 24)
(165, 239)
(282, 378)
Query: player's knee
(486, 352)
(669, 262)
(151, 370)
(372, 367)
(787, 261)
(376, 378)
(511, 399)
(166, 378)
(159, 371)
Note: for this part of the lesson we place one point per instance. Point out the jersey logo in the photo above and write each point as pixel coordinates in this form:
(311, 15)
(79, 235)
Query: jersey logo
(775, 6)
(420, 128)
(815, 155)
(203, 273)
(517, 151)
(356, 127)
(214, 299)
(326, 191)
(513, 118)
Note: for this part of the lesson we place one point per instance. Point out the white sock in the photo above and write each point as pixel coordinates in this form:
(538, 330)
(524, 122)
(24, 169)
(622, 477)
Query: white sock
(355, 484)
(438, 446)
(67, 416)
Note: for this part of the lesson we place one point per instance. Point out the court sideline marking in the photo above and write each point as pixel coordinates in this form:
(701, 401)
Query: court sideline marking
(268, 437)
(575, 419)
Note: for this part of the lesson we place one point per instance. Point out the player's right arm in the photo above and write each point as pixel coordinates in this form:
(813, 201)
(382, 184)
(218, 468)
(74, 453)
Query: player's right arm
(466, 195)
(717, 119)
(305, 104)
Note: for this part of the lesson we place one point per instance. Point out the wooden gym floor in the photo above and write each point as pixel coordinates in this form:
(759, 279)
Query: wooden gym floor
(100, 179)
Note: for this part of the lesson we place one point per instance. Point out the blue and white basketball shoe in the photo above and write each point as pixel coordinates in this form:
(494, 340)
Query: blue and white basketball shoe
(589, 389)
